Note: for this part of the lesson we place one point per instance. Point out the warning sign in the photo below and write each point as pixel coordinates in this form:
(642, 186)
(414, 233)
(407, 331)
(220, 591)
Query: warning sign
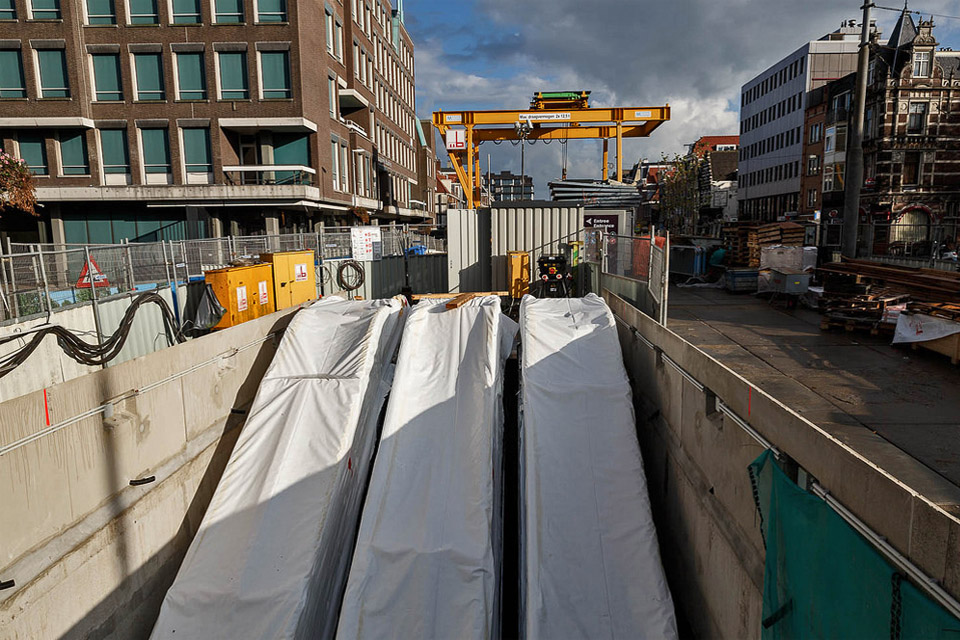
(241, 298)
(264, 296)
(300, 272)
(99, 278)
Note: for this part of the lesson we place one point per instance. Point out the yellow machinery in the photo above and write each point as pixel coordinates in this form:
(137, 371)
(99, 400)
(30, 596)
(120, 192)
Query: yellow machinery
(518, 273)
(560, 115)
(245, 292)
(294, 277)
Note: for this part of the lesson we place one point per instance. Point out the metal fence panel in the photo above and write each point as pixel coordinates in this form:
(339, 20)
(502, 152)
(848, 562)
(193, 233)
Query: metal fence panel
(534, 229)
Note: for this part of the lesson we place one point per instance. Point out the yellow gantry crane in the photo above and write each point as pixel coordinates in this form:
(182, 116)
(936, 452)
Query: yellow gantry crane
(558, 115)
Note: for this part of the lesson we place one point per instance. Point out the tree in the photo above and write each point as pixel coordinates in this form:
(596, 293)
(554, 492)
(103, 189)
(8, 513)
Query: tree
(680, 194)
(16, 185)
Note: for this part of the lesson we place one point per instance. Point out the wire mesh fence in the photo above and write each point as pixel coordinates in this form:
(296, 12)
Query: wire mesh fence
(43, 277)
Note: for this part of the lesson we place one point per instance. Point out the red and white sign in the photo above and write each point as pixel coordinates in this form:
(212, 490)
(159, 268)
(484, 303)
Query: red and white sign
(99, 278)
(300, 272)
(456, 140)
(241, 298)
(264, 295)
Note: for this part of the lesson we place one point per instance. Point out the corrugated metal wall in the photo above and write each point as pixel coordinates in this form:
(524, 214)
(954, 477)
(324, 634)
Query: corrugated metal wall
(384, 278)
(535, 228)
(468, 250)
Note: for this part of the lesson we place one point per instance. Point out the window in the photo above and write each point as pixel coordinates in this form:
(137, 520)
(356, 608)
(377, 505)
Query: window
(113, 151)
(918, 117)
(8, 10)
(53, 73)
(148, 68)
(106, 77)
(271, 10)
(338, 41)
(332, 91)
(233, 75)
(335, 167)
(328, 26)
(143, 12)
(275, 74)
(911, 168)
(921, 64)
(73, 153)
(100, 12)
(196, 150)
(191, 79)
(33, 151)
(12, 84)
(828, 140)
(46, 9)
(156, 150)
(811, 197)
(186, 12)
(229, 11)
(344, 167)
(290, 149)
(813, 165)
(841, 138)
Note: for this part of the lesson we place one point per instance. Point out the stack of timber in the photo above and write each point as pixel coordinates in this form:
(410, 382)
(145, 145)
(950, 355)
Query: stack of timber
(950, 311)
(922, 285)
(744, 240)
(851, 310)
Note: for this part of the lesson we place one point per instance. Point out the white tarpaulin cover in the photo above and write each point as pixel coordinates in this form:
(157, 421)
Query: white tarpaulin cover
(590, 564)
(427, 561)
(270, 558)
(919, 327)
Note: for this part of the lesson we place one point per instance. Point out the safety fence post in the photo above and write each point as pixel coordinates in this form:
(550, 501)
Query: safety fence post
(46, 285)
(93, 296)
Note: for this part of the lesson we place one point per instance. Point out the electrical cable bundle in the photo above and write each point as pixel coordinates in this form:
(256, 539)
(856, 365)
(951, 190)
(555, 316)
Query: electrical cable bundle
(84, 352)
(349, 282)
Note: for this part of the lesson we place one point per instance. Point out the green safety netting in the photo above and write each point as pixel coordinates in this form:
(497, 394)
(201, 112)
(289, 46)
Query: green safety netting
(824, 580)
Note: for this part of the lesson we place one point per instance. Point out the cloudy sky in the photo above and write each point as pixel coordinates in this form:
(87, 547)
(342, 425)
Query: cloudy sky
(692, 54)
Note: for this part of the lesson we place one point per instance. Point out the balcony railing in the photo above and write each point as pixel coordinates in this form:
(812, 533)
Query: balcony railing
(270, 174)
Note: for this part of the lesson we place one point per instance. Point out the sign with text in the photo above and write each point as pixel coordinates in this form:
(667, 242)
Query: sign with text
(610, 223)
(241, 298)
(367, 243)
(456, 140)
(300, 272)
(264, 295)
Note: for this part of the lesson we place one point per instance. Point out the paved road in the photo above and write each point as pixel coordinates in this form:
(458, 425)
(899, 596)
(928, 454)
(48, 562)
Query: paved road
(911, 398)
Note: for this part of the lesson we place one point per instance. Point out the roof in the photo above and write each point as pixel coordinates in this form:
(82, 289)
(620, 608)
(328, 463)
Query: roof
(710, 143)
(904, 33)
(723, 165)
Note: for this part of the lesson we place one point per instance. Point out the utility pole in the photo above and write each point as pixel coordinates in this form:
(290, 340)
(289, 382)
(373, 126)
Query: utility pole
(854, 157)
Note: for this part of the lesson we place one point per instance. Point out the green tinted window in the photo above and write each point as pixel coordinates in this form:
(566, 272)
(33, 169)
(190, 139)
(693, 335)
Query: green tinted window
(196, 150)
(186, 11)
(229, 10)
(11, 74)
(73, 153)
(190, 76)
(290, 148)
(275, 74)
(113, 151)
(106, 77)
(149, 68)
(100, 12)
(233, 76)
(46, 9)
(156, 150)
(53, 73)
(271, 10)
(33, 149)
(8, 10)
(143, 12)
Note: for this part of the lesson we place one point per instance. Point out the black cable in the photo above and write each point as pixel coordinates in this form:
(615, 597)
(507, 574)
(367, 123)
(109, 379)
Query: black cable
(345, 282)
(92, 354)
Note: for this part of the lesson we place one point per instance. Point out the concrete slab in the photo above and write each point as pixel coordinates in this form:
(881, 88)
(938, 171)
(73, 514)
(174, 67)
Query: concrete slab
(911, 399)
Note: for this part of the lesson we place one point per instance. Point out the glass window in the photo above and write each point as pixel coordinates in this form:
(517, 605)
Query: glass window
(229, 11)
(100, 12)
(335, 168)
(271, 10)
(73, 153)
(149, 70)
(33, 150)
(113, 151)
(233, 76)
(8, 10)
(143, 12)
(918, 117)
(46, 9)
(290, 149)
(328, 22)
(196, 150)
(190, 76)
(332, 91)
(106, 77)
(911, 168)
(921, 64)
(156, 150)
(11, 74)
(186, 11)
(275, 74)
(53, 73)
(338, 42)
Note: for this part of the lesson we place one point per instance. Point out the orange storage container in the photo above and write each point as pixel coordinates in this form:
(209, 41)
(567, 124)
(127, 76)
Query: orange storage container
(245, 292)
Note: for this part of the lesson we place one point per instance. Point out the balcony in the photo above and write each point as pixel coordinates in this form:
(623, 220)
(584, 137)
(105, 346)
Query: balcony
(270, 174)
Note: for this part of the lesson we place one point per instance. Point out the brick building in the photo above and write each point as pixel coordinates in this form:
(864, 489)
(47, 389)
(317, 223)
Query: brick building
(146, 119)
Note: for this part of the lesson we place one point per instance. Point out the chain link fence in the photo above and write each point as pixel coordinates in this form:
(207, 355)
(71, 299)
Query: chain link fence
(43, 277)
(642, 269)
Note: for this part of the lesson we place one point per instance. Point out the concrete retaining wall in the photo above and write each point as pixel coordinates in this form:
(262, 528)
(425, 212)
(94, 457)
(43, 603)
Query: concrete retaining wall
(696, 461)
(90, 554)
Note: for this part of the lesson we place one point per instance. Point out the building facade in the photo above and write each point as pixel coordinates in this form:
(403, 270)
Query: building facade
(772, 109)
(145, 119)
(507, 186)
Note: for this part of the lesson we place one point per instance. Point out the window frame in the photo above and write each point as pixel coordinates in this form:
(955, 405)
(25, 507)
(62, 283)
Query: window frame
(143, 164)
(922, 64)
(105, 169)
(179, 91)
(172, 8)
(131, 16)
(43, 148)
(58, 10)
(260, 76)
(88, 18)
(136, 79)
(913, 116)
(12, 12)
(204, 176)
(62, 166)
(22, 90)
(918, 166)
(38, 67)
(217, 14)
(284, 14)
(219, 72)
(93, 76)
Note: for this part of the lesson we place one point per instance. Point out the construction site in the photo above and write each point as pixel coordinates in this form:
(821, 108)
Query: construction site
(545, 421)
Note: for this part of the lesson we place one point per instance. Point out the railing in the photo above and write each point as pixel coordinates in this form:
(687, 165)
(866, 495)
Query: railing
(270, 174)
(42, 277)
(932, 244)
(646, 263)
